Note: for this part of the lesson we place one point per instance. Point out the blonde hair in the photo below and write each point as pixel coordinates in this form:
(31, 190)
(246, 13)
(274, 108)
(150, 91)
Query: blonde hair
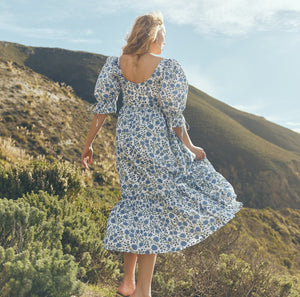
(143, 33)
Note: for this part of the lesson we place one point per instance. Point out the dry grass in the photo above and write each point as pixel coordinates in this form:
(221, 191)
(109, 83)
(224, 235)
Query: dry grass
(11, 153)
(47, 118)
(99, 291)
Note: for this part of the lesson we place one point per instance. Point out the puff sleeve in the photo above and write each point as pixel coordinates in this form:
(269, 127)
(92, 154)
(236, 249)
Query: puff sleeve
(107, 88)
(173, 94)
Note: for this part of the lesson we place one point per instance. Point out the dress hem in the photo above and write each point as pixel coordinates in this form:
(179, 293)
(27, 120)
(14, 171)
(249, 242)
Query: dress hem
(173, 250)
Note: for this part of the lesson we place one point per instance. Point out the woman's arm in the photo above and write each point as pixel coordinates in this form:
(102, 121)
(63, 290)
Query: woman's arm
(186, 139)
(94, 128)
(198, 151)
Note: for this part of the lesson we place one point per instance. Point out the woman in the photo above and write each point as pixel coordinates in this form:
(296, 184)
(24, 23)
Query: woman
(172, 197)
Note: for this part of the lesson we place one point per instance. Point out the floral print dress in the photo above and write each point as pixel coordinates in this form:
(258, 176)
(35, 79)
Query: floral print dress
(169, 200)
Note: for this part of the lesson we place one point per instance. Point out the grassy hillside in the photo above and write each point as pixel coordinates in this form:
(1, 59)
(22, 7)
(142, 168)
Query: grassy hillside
(263, 172)
(273, 133)
(261, 159)
(47, 118)
(43, 125)
(257, 252)
(75, 68)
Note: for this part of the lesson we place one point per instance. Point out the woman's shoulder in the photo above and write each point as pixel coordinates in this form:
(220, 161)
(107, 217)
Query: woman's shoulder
(111, 65)
(112, 60)
(172, 63)
(170, 60)
(172, 67)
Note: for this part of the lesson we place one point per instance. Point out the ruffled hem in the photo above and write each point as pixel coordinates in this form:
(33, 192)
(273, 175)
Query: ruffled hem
(167, 246)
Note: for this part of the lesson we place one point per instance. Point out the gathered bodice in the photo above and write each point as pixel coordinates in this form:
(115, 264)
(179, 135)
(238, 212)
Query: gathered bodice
(166, 89)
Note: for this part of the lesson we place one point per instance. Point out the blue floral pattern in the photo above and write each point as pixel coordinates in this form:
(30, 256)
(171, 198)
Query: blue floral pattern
(169, 200)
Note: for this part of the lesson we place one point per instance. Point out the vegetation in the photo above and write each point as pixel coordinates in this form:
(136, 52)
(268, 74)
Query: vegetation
(52, 236)
(53, 214)
(58, 178)
(259, 158)
(57, 236)
(207, 274)
(37, 271)
(47, 119)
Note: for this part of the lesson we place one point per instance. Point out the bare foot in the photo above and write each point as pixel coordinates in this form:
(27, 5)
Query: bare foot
(126, 288)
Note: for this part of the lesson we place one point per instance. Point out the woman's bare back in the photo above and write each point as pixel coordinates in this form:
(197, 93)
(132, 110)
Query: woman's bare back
(141, 70)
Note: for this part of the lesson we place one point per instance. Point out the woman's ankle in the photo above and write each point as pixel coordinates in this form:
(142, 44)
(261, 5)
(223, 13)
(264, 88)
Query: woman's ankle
(141, 293)
(126, 287)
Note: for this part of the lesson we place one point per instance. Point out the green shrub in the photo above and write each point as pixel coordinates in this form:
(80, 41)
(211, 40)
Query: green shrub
(81, 236)
(239, 278)
(32, 262)
(172, 277)
(205, 274)
(38, 272)
(48, 240)
(21, 225)
(58, 178)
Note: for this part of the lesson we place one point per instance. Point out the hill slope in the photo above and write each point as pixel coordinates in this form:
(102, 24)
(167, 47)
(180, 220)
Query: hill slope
(254, 236)
(47, 118)
(261, 159)
(263, 171)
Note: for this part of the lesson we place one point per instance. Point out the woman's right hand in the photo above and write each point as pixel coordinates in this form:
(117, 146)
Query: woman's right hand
(199, 152)
(87, 153)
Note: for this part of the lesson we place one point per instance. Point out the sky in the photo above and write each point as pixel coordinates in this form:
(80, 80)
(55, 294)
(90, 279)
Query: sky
(245, 53)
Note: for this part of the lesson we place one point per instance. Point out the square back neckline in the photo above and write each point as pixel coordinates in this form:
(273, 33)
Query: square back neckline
(156, 68)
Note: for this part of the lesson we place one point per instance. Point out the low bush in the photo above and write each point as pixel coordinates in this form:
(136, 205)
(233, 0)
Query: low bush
(51, 246)
(207, 274)
(58, 178)
(21, 225)
(81, 236)
(39, 272)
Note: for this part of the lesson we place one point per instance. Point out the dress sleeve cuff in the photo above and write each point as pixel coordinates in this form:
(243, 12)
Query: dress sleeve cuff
(180, 121)
(106, 108)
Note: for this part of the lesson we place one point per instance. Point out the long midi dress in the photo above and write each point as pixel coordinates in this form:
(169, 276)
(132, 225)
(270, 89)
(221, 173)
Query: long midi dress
(169, 200)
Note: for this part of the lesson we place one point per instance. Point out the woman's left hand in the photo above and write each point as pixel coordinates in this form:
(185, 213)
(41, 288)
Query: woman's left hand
(87, 153)
(199, 152)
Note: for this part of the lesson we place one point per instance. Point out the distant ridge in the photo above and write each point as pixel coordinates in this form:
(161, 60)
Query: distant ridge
(274, 133)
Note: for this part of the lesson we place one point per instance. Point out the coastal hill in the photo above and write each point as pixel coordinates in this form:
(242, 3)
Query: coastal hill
(260, 158)
(44, 119)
